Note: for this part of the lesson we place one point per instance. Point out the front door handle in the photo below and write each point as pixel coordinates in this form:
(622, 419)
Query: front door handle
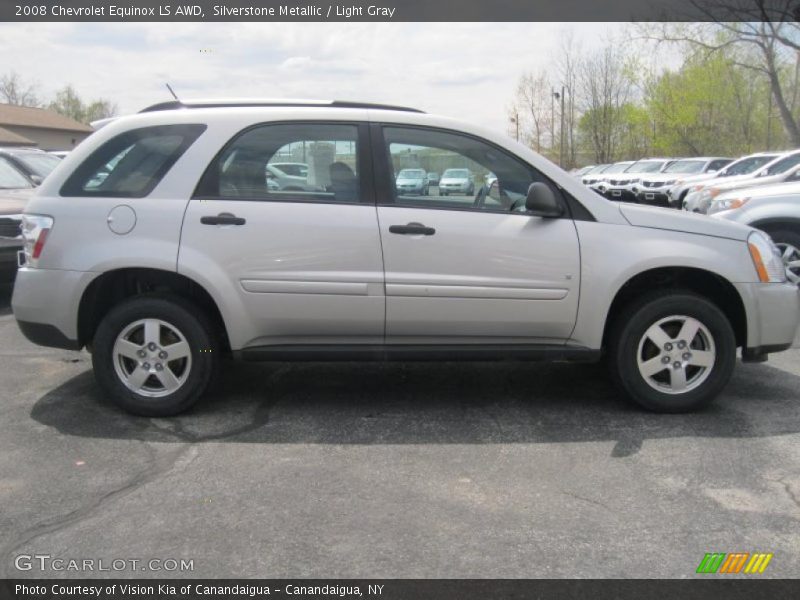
(222, 219)
(412, 229)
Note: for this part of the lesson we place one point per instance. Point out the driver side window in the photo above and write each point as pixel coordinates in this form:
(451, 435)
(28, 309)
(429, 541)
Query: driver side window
(439, 169)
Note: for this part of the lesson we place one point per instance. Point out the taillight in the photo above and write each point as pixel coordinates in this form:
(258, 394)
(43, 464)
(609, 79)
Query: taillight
(35, 229)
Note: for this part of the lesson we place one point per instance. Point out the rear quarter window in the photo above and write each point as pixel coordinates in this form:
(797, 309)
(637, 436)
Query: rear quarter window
(132, 164)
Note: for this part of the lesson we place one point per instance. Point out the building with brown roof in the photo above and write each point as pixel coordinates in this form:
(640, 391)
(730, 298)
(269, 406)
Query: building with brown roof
(45, 129)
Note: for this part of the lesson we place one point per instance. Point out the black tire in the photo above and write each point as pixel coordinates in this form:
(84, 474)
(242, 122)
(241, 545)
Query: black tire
(629, 330)
(178, 314)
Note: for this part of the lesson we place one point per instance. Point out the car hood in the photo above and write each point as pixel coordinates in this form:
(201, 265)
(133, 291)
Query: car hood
(769, 189)
(12, 202)
(731, 180)
(687, 222)
(662, 177)
(749, 181)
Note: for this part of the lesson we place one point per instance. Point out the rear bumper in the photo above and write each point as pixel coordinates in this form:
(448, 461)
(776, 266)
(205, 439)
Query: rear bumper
(45, 304)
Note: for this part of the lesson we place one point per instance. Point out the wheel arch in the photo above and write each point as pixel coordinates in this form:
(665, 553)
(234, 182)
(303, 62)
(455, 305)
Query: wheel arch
(705, 283)
(112, 287)
(777, 223)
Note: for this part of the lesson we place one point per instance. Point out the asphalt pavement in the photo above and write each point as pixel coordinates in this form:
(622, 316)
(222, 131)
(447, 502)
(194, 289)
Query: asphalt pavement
(502, 470)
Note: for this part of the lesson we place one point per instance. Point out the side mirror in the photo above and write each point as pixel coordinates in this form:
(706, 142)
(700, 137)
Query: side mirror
(542, 202)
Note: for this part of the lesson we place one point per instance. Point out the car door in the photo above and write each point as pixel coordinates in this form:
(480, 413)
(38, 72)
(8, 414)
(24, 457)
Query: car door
(298, 264)
(471, 268)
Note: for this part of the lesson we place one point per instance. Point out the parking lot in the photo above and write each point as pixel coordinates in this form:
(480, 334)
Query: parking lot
(396, 470)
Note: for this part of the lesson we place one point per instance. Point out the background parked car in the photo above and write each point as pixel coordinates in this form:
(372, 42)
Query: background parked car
(624, 187)
(774, 209)
(286, 182)
(15, 190)
(593, 175)
(296, 169)
(34, 164)
(412, 181)
(457, 181)
(600, 183)
(778, 171)
(741, 166)
(652, 189)
(433, 178)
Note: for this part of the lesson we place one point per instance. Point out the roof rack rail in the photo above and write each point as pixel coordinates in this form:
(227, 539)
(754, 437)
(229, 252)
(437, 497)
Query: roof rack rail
(179, 104)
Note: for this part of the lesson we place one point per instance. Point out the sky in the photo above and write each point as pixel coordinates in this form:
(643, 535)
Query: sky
(463, 70)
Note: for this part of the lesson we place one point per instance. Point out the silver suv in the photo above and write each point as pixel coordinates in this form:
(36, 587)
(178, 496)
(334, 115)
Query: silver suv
(160, 246)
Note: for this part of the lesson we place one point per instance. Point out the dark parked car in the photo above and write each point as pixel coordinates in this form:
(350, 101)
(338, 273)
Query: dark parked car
(34, 164)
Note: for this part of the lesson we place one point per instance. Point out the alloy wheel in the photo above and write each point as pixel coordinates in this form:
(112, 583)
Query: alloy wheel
(152, 358)
(676, 354)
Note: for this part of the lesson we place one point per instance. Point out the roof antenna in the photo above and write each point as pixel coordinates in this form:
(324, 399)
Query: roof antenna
(171, 91)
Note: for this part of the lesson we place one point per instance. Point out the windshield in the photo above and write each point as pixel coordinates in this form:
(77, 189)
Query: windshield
(646, 166)
(784, 164)
(748, 165)
(411, 174)
(456, 173)
(618, 167)
(39, 163)
(10, 178)
(686, 166)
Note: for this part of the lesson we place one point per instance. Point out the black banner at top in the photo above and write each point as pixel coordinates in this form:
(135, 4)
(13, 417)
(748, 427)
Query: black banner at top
(398, 10)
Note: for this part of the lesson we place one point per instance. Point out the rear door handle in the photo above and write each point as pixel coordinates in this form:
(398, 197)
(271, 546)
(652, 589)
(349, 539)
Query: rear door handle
(412, 229)
(222, 219)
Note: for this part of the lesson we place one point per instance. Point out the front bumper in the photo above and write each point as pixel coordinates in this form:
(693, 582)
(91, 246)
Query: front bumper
(773, 316)
(653, 196)
(45, 304)
(621, 194)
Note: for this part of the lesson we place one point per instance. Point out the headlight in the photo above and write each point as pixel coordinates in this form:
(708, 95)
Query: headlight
(727, 204)
(35, 229)
(713, 192)
(671, 182)
(766, 258)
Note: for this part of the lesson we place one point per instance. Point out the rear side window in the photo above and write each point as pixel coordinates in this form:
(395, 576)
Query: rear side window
(131, 164)
(287, 162)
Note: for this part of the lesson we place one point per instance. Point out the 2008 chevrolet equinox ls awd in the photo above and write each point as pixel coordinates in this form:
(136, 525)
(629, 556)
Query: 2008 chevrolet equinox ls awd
(160, 246)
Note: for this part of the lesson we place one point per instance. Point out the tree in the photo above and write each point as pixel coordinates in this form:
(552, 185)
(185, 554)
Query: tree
(708, 106)
(532, 107)
(68, 103)
(13, 90)
(603, 88)
(764, 35)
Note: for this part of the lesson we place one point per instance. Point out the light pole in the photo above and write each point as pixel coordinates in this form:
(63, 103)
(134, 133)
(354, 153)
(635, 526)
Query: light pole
(515, 120)
(559, 96)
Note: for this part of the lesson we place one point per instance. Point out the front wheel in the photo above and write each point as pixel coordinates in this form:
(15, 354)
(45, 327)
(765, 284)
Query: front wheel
(155, 355)
(673, 352)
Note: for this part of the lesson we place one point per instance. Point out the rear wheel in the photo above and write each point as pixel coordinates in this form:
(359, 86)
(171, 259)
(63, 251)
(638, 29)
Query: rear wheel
(673, 352)
(155, 355)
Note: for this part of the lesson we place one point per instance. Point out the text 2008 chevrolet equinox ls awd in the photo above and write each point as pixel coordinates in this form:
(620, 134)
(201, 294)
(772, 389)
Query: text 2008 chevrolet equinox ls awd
(164, 241)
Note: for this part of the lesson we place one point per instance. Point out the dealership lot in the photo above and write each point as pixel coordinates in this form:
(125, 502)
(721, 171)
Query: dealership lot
(396, 470)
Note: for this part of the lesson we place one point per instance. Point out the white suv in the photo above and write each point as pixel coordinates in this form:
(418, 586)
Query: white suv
(160, 246)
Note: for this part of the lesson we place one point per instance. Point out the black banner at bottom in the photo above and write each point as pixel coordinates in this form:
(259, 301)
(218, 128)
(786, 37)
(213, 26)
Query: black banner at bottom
(394, 589)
